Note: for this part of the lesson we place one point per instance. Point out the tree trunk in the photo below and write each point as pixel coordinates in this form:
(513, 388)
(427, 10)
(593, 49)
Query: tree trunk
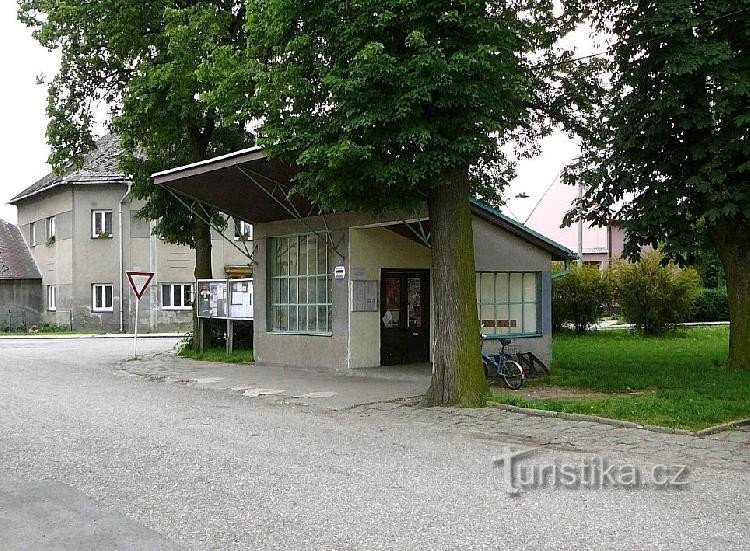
(457, 376)
(733, 247)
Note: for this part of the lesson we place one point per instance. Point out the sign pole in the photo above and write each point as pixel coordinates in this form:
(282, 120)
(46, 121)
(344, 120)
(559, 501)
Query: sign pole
(135, 333)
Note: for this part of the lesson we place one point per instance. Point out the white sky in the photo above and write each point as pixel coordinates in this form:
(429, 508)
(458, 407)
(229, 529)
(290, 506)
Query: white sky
(25, 151)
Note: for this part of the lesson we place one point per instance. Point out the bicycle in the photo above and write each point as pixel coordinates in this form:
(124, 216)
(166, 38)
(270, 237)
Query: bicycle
(501, 366)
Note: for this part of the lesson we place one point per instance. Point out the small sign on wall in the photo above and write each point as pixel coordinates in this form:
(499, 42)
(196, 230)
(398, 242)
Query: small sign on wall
(339, 272)
(365, 296)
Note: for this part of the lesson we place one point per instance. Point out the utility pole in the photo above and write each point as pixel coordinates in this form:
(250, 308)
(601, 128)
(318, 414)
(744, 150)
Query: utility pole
(580, 224)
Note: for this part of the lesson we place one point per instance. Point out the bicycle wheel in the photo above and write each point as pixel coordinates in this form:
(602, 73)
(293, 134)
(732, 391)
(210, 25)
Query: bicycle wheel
(512, 374)
(490, 371)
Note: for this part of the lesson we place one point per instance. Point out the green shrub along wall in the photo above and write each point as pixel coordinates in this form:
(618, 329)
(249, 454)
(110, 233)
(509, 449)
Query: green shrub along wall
(710, 305)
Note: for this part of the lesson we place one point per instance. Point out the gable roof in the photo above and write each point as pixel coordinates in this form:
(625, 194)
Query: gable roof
(16, 261)
(494, 216)
(100, 166)
(223, 182)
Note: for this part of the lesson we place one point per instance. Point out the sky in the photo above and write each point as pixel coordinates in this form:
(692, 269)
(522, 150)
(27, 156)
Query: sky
(25, 151)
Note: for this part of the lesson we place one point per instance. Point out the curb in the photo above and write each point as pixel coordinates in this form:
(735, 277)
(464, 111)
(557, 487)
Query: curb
(54, 336)
(620, 423)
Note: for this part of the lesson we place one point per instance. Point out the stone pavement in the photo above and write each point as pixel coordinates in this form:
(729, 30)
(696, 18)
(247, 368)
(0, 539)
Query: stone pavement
(726, 450)
(325, 389)
(391, 399)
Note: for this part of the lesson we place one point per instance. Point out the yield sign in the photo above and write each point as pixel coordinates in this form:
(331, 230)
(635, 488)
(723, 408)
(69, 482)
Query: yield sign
(139, 281)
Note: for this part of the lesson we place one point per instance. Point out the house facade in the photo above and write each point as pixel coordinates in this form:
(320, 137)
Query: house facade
(350, 290)
(83, 232)
(21, 301)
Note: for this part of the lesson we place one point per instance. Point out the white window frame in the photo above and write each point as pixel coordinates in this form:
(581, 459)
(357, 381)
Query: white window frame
(490, 327)
(100, 216)
(171, 287)
(51, 227)
(32, 233)
(52, 298)
(103, 307)
(242, 230)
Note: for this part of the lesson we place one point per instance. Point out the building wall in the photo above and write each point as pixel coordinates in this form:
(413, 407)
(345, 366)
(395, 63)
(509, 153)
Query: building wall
(20, 299)
(355, 339)
(76, 260)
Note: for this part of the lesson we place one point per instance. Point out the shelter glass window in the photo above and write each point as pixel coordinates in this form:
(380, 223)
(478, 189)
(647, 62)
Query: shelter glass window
(301, 284)
(508, 303)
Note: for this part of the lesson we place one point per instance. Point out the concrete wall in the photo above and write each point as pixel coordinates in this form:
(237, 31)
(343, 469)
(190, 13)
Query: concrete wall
(365, 250)
(76, 260)
(23, 298)
(371, 250)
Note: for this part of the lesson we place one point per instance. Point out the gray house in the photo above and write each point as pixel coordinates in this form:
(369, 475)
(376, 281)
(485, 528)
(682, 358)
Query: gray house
(352, 291)
(20, 281)
(83, 233)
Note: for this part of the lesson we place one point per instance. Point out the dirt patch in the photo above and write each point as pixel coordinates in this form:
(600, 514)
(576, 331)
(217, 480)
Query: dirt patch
(548, 392)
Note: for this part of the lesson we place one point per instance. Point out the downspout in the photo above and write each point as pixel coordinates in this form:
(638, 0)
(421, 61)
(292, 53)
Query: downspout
(122, 260)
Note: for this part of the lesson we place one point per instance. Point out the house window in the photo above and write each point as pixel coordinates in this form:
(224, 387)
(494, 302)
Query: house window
(508, 303)
(300, 284)
(177, 296)
(51, 298)
(101, 297)
(242, 230)
(101, 223)
(51, 228)
(32, 234)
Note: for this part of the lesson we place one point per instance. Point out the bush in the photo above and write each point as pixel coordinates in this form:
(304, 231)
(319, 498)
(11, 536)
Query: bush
(710, 305)
(654, 296)
(579, 297)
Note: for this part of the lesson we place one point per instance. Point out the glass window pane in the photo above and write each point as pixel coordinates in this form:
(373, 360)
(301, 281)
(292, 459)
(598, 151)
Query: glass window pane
(501, 288)
(98, 296)
(529, 287)
(166, 296)
(322, 256)
(303, 254)
(322, 318)
(188, 295)
(303, 318)
(529, 318)
(503, 323)
(108, 223)
(488, 288)
(516, 287)
(322, 294)
(293, 318)
(108, 296)
(293, 290)
(312, 318)
(516, 312)
(293, 256)
(176, 295)
(312, 255)
(487, 319)
(303, 290)
(283, 291)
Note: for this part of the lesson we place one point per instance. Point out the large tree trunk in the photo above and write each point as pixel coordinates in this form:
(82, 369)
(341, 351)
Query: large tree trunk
(457, 376)
(733, 247)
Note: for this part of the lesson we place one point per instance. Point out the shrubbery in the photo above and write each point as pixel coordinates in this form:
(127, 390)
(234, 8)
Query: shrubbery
(710, 305)
(653, 296)
(579, 296)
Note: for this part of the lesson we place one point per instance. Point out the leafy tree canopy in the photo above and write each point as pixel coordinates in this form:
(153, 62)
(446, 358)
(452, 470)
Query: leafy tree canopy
(376, 100)
(155, 64)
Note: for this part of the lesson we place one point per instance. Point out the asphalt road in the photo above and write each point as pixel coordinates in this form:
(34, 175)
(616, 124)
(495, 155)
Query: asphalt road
(91, 458)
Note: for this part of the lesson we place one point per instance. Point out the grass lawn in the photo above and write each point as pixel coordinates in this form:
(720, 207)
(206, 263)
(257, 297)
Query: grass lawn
(219, 355)
(675, 381)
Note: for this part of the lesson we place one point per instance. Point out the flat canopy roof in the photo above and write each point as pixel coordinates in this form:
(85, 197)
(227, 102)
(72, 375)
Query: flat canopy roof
(245, 184)
(248, 185)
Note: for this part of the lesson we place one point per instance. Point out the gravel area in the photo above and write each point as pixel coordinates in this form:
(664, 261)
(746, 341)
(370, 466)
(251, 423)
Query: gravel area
(218, 470)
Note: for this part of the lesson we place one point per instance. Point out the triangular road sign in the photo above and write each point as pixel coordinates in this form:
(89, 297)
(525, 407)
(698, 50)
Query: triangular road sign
(139, 281)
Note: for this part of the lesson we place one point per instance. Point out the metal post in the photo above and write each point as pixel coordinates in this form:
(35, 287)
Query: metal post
(230, 336)
(580, 224)
(135, 333)
(200, 335)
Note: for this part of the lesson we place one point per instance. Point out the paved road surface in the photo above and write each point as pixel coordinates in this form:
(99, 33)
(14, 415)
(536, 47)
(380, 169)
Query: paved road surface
(92, 458)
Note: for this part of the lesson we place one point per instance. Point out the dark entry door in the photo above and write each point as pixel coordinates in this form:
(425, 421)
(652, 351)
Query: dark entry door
(404, 316)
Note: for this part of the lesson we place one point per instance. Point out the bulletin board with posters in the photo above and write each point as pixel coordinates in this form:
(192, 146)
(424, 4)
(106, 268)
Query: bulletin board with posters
(225, 298)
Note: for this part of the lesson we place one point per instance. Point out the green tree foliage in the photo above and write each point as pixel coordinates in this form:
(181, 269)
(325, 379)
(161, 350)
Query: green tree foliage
(396, 103)
(579, 297)
(668, 146)
(710, 305)
(653, 296)
(161, 66)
